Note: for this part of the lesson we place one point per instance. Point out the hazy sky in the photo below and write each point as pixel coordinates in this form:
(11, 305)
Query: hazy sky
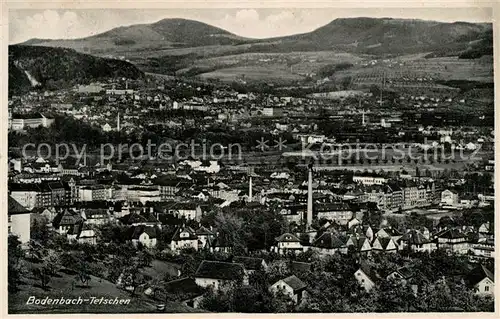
(254, 23)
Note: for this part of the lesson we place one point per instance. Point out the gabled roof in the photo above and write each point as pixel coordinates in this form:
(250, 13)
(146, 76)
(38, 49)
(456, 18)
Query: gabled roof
(204, 231)
(369, 271)
(220, 270)
(66, 217)
(452, 233)
(183, 289)
(405, 272)
(384, 242)
(328, 241)
(298, 266)
(391, 231)
(479, 273)
(288, 237)
(137, 231)
(15, 208)
(295, 283)
(250, 263)
(414, 237)
(180, 230)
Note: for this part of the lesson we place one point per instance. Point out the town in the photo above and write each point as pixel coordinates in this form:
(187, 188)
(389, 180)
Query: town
(365, 193)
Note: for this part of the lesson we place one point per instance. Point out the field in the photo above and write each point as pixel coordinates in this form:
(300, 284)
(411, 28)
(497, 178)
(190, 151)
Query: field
(419, 72)
(63, 284)
(253, 73)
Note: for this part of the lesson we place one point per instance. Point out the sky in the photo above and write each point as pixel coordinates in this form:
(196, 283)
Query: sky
(253, 23)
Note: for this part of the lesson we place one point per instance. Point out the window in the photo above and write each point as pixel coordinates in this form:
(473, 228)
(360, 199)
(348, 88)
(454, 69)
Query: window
(9, 229)
(10, 219)
(486, 288)
(362, 280)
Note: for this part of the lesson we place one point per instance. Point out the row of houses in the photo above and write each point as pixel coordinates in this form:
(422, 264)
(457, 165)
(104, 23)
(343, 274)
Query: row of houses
(365, 240)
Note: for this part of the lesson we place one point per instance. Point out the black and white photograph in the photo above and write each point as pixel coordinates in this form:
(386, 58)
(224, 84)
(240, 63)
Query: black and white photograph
(250, 160)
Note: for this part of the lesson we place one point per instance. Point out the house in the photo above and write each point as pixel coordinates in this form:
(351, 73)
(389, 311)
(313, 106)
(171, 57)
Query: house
(145, 235)
(337, 212)
(389, 232)
(18, 221)
(453, 240)
(288, 243)
(486, 231)
(81, 233)
(366, 276)
(205, 236)
(483, 248)
(65, 220)
(353, 222)
(188, 210)
(482, 280)
(300, 267)
(329, 244)
(96, 216)
(363, 230)
(221, 244)
(184, 238)
(48, 213)
(449, 198)
(384, 244)
(184, 290)
(292, 287)
(142, 219)
(218, 274)
(403, 274)
(416, 241)
(20, 122)
(360, 244)
(251, 264)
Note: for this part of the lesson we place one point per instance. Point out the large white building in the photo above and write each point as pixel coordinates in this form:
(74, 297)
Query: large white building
(19, 221)
(23, 121)
(369, 180)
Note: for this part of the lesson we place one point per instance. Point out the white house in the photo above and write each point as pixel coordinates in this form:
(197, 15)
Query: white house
(219, 275)
(292, 287)
(366, 276)
(449, 197)
(288, 243)
(19, 221)
(146, 235)
(482, 280)
(384, 244)
(184, 238)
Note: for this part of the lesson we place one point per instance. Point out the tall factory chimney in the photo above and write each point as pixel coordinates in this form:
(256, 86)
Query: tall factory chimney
(309, 198)
(250, 194)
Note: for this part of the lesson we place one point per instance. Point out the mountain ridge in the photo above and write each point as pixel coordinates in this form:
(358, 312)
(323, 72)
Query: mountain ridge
(47, 67)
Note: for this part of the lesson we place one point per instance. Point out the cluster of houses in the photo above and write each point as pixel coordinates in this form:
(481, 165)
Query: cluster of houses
(220, 275)
(364, 239)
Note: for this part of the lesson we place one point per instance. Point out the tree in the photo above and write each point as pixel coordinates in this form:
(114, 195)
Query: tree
(42, 274)
(144, 258)
(83, 273)
(52, 262)
(132, 278)
(14, 268)
(39, 230)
